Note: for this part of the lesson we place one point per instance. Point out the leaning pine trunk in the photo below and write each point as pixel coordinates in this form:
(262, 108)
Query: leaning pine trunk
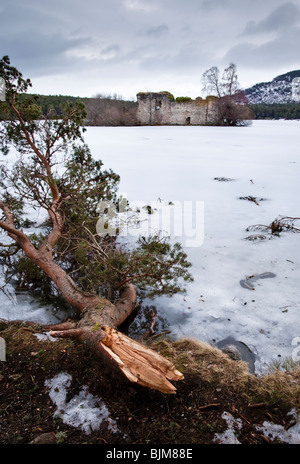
(137, 362)
(97, 328)
(100, 318)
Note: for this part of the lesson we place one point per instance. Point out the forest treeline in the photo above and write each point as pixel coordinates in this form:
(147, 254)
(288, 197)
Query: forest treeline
(275, 111)
(113, 110)
(102, 110)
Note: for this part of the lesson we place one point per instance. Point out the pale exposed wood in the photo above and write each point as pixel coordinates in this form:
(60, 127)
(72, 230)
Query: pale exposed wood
(136, 361)
(139, 363)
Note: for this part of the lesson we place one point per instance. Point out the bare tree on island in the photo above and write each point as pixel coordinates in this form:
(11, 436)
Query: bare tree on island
(233, 103)
(56, 173)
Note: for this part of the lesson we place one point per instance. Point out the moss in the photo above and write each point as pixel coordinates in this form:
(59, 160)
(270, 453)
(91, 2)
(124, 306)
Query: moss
(211, 97)
(183, 99)
(216, 369)
(170, 95)
(3, 326)
(96, 327)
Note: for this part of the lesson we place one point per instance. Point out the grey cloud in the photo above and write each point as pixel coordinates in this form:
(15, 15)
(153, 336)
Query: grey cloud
(110, 50)
(105, 39)
(17, 17)
(33, 39)
(210, 5)
(282, 51)
(181, 60)
(158, 31)
(39, 53)
(283, 17)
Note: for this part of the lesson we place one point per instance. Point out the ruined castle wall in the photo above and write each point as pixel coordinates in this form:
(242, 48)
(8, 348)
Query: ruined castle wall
(188, 113)
(153, 109)
(212, 110)
(157, 109)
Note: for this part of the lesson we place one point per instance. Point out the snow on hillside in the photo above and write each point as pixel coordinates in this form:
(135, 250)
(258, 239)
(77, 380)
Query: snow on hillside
(279, 90)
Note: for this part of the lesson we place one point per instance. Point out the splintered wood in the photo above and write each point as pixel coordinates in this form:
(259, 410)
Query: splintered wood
(138, 363)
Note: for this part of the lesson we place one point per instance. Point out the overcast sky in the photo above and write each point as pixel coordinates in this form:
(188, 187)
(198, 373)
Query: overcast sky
(84, 47)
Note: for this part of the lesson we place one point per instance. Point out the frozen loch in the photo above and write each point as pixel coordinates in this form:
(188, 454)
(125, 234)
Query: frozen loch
(212, 173)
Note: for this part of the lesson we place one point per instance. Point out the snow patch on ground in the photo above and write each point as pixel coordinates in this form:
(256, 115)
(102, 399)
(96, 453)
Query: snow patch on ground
(290, 436)
(271, 431)
(229, 436)
(83, 411)
(45, 337)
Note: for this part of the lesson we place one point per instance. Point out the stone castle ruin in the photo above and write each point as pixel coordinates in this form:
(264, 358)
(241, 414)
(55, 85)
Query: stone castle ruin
(157, 108)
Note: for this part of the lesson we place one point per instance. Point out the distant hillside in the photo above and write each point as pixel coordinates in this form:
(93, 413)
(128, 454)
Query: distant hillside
(279, 90)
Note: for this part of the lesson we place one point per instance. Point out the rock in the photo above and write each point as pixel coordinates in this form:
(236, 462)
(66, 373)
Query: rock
(238, 351)
(223, 179)
(232, 352)
(44, 439)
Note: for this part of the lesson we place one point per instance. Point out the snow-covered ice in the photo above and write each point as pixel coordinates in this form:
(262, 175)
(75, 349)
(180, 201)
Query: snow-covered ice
(24, 307)
(181, 164)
